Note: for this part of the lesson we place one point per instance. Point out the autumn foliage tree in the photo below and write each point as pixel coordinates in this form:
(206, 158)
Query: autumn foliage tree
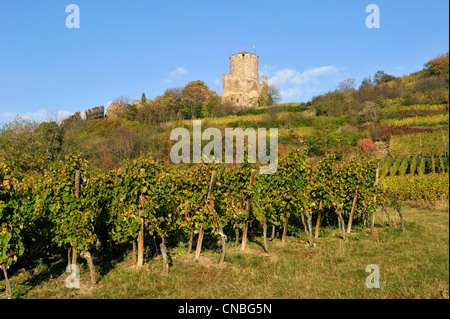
(193, 96)
(346, 85)
(438, 65)
(366, 145)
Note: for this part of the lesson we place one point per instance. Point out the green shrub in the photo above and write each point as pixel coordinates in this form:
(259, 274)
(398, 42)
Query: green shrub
(302, 122)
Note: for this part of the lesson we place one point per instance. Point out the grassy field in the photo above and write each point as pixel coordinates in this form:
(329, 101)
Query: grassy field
(414, 264)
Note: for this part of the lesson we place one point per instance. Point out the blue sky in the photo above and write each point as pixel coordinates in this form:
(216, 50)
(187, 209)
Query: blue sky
(124, 48)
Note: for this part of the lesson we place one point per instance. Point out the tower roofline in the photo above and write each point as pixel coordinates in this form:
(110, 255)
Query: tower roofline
(244, 52)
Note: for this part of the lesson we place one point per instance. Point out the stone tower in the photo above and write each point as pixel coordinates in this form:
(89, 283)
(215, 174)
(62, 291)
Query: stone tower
(241, 86)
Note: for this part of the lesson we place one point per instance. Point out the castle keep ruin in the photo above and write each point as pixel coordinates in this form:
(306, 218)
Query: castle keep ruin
(95, 113)
(241, 86)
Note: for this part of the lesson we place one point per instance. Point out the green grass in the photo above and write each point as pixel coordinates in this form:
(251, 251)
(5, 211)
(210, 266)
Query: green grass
(414, 264)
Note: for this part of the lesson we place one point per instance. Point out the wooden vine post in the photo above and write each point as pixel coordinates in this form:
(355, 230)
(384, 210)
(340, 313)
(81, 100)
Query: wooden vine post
(247, 212)
(140, 259)
(350, 220)
(165, 270)
(283, 236)
(77, 195)
(202, 232)
(223, 238)
(316, 233)
(372, 224)
(191, 230)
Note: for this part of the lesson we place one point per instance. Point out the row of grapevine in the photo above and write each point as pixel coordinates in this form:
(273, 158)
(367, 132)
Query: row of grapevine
(415, 107)
(431, 189)
(402, 166)
(430, 120)
(72, 206)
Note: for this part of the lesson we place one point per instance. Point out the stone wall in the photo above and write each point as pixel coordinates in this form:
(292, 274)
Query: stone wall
(94, 113)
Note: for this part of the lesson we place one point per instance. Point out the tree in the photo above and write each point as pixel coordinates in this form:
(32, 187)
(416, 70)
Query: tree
(212, 106)
(143, 99)
(124, 108)
(22, 147)
(173, 99)
(50, 136)
(270, 96)
(366, 83)
(346, 85)
(193, 96)
(122, 100)
(439, 65)
(382, 77)
(273, 95)
(329, 104)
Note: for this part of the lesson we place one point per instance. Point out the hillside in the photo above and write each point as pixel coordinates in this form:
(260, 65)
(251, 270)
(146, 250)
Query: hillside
(387, 116)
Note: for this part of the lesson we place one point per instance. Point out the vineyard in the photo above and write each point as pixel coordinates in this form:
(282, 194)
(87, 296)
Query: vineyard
(419, 120)
(418, 144)
(425, 143)
(73, 207)
(101, 194)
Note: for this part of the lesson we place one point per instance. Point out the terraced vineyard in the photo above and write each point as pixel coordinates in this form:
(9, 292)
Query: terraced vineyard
(418, 168)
